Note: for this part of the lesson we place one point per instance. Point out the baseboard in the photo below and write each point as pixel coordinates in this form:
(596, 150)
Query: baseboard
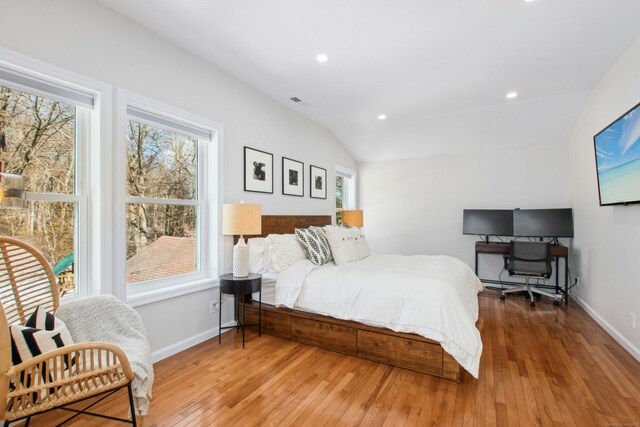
(633, 350)
(184, 344)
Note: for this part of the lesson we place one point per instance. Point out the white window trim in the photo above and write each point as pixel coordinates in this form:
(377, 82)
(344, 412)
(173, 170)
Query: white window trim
(350, 189)
(210, 184)
(93, 241)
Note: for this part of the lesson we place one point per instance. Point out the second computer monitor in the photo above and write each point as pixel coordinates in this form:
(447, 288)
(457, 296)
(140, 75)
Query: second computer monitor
(543, 222)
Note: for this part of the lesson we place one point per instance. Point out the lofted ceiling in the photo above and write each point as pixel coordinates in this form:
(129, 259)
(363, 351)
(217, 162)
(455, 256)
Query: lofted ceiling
(439, 70)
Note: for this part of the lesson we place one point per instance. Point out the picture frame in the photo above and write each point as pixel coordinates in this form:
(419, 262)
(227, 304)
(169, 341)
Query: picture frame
(318, 182)
(258, 171)
(292, 177)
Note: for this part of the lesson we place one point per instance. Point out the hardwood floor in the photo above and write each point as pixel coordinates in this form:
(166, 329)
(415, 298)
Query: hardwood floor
(551, 365)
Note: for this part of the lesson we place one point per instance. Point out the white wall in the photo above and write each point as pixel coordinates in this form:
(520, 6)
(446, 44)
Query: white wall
(605, 249)
(415, 206)
(89, 39)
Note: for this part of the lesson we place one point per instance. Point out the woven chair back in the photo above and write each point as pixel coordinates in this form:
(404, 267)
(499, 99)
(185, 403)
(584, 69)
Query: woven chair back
(26, 281)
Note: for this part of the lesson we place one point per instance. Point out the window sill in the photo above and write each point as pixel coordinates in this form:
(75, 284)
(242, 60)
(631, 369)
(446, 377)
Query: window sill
(148, 297)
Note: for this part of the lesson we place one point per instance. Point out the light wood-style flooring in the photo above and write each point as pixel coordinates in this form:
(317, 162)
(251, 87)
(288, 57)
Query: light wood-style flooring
(552, 365)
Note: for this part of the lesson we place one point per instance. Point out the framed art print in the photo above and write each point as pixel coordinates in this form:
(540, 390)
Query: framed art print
(258, 171)
(318, 178)
(292, 177)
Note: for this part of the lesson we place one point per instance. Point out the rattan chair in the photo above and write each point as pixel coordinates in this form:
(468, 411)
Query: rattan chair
(27, 281)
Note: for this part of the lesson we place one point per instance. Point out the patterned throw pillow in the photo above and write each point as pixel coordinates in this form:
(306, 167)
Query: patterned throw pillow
(41, 333)
(315, 244)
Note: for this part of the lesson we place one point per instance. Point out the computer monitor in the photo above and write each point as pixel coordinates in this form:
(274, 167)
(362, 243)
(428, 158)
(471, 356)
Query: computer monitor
(488, 222)
(543, 222)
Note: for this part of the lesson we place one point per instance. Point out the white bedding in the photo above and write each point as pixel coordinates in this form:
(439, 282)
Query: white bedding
(433, 296)
(268, 292)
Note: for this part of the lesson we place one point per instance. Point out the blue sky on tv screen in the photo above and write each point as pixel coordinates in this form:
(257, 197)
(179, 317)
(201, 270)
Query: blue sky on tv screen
(619, 144)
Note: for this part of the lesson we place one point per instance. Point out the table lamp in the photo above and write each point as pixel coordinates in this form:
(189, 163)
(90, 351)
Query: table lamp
(239, 220)
(353, 218)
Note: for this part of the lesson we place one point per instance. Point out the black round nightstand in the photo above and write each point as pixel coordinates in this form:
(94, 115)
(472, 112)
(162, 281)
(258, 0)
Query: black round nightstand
(240, 287)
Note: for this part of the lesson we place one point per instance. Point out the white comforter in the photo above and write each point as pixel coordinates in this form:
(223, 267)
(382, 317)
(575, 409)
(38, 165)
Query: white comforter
(433, 296)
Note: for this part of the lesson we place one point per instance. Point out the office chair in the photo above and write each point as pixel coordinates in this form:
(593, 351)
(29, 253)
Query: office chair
(530, 259)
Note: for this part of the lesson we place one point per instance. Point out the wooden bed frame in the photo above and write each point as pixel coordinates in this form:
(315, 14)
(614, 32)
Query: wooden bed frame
(408, 351)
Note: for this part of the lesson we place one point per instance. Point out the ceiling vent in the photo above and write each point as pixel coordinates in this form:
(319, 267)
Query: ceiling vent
(296, 99)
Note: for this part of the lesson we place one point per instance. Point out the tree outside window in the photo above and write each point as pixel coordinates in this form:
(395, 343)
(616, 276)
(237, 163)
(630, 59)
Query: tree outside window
(339, 198)
(163, 208)
(38, 141)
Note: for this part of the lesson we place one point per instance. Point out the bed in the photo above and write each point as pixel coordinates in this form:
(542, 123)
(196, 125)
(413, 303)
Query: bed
(316, 307)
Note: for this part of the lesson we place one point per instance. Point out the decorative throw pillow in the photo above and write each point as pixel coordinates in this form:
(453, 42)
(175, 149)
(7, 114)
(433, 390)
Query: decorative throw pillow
(360, 241)
(314, 243)
(285, 250)
(41, 333)
(342, 244)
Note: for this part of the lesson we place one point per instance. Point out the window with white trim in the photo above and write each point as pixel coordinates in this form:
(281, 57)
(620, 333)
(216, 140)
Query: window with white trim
(44, 133)
(168, 161)
(345, 191)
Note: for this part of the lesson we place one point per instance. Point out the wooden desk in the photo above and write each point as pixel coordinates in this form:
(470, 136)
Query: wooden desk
(557, 251)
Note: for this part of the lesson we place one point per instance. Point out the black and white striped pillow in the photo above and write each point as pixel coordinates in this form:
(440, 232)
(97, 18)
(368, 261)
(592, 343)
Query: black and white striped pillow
(41, 333)
(315, 244)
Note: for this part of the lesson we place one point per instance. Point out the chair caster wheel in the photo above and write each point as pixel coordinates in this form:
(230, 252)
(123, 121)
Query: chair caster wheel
(556, 302)
(502, 297)
(532, 303)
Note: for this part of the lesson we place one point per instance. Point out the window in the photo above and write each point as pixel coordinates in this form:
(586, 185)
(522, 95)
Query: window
(340, 193)
(44, 128)
(345, 191)
(170, 182)
(92, 205)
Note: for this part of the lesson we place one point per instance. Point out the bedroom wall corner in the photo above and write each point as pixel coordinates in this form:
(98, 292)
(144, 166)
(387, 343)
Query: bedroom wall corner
(605, 247)
(414, 206)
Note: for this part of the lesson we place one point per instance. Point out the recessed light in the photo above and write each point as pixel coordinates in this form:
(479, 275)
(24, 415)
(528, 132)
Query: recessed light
(528, 1)
(512, 95)
(322, 57)
(382, 116)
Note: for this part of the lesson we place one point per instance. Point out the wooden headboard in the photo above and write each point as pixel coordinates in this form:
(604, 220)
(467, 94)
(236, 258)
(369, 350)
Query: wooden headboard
(286, 224)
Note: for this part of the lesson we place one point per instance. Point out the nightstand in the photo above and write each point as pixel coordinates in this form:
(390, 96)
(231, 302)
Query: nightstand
(240, 287)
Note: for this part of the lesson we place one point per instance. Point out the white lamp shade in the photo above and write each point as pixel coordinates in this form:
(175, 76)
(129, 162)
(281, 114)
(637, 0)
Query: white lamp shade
(241, 219)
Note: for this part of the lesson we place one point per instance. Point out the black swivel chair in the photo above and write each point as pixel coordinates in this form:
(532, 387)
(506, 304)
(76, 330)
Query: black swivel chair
(530, 259)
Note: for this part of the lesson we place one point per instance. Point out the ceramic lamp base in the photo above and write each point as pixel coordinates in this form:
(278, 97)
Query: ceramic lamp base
(240, 259)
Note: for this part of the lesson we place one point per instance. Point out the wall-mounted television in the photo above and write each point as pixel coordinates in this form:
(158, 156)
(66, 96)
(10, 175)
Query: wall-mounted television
(617, 149)
(488, 222)
(543, 222)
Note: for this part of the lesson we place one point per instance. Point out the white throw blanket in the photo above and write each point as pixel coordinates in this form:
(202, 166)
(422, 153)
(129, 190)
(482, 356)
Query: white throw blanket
(105, 318)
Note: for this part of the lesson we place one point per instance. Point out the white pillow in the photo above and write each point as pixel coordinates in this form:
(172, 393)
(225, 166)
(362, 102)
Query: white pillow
(361, 242)
(285, 250)
(342, 243)
(260, 256)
